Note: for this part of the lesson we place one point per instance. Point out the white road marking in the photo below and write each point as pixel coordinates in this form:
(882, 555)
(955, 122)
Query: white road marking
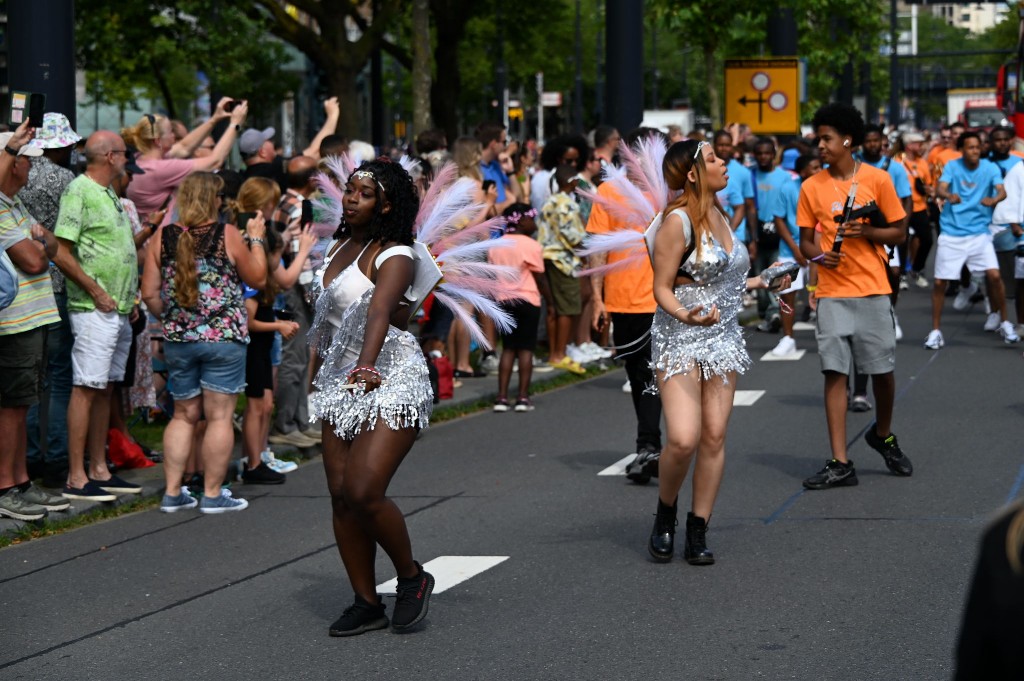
(619, 467)
(746, 398)
(449, 571)
(791, 357)
(742, 398)
(804, 326)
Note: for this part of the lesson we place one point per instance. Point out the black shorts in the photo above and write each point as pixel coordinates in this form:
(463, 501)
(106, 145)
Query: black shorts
(527, 320)
(259, 371)
(22, 364)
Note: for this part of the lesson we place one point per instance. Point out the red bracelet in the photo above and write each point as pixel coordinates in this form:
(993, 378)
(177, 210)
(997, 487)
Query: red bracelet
(369, 369)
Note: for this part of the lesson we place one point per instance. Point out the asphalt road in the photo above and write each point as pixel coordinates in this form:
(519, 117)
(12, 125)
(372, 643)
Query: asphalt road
(865, 582)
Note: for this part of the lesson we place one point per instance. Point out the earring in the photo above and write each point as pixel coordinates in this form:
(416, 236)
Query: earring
(846, 143)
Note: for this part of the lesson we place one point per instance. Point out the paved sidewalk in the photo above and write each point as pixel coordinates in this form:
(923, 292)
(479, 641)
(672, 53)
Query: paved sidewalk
(472, 390)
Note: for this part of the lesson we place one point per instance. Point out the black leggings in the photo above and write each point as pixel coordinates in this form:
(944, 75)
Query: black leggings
(922, 227)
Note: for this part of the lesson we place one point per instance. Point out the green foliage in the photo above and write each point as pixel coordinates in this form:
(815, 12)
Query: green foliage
(158, 47)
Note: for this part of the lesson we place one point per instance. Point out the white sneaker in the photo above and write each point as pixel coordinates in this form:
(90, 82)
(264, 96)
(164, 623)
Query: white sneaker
(934, 340)
(1008, 333)
(626, 387)
(785, 346)
(275, 464)
(904, 284)
(575, 354)
(899, 331)
(992, 321)
(963, 298)
(919, 280)
(596, 350)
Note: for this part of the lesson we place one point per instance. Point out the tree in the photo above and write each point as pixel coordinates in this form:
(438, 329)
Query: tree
(339, 36)
(174, 41)
(421, 63)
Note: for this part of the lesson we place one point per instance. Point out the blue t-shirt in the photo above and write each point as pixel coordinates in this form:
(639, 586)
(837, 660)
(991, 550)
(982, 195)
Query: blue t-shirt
(493, 171)
(969, 217)
(1005, 164)
(740, 179)
(897, 172)
(769, 185)
(785, 208)
(730, 197)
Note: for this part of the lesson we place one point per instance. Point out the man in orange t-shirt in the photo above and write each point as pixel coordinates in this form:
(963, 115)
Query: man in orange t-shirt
(628, 296)
(855, 318)
(920, 222)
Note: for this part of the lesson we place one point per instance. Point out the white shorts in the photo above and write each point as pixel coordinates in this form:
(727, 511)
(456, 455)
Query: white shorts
(100, 352)
(798, 280)
(953, 252)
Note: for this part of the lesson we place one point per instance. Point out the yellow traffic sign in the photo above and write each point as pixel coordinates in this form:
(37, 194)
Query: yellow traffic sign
(764, 94)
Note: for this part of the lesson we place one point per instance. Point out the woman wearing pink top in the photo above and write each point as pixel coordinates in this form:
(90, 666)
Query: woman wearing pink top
(167, 162)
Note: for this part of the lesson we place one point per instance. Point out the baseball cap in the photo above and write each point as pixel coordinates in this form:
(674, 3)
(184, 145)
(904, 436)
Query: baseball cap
(26, 150)
(913, 137)
(131, 161)
(55, 133)
(252, 139)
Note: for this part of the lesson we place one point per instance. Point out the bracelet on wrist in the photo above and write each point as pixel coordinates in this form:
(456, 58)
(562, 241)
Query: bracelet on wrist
(9, 150)
(818, 258)
(811, 288)
(257, 240)
(367, 369)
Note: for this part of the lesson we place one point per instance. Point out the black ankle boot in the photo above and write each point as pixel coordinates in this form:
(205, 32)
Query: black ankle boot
(696, 550)
(661, 543)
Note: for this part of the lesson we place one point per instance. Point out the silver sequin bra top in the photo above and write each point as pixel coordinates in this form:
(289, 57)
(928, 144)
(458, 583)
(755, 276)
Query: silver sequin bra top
(713, 257)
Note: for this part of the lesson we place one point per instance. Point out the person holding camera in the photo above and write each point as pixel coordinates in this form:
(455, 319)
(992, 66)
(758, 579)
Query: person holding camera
(855, 317)
(700, 274)
(166, 162)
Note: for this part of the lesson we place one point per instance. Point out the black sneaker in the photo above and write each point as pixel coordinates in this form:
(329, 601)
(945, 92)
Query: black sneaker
(360, 617)
(116, 485)
(895, 460)
(262, 475)
(413, 598)
(644, 467)
(834, 474)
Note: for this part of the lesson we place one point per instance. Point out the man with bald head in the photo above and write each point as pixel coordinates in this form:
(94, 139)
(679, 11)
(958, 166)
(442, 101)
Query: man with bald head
(291, 421)
(96, 253)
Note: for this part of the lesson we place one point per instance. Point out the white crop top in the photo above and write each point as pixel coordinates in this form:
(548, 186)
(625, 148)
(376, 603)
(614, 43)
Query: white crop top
(350, 284)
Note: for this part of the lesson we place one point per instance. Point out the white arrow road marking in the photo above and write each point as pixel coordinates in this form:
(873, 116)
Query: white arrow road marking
(449, 571)
(746, 398)
(619, 467)
(791, 357)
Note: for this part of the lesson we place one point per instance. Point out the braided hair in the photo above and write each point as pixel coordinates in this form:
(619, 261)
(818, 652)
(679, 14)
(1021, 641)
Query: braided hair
(399, 191)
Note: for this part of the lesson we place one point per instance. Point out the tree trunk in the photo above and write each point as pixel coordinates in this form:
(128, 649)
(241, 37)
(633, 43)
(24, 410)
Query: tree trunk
(450, 17)
(711, 78)
(341, 83)
(165, 92)
(421, 62)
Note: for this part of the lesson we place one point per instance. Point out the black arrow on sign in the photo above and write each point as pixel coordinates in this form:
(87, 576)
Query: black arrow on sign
(760, 101)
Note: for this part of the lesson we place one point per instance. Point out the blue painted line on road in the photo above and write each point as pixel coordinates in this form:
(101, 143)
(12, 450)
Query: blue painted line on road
(1015, 490)
(899, 395)
(782, 509)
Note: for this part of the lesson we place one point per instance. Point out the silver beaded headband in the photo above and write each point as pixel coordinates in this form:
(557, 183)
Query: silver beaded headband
(366, 174)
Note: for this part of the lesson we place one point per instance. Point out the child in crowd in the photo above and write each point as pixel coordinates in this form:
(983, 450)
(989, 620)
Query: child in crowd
(560, 231)
(259, 374)
(523, 304)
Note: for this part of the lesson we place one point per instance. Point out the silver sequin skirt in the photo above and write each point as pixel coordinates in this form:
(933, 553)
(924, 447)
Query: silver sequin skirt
(678, 348)
(403, 400)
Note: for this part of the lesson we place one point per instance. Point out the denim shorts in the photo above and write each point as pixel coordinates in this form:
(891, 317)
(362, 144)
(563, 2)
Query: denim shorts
(194, 367)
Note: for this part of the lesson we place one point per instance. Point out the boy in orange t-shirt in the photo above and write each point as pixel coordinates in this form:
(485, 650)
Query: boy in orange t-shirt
(855, 318)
